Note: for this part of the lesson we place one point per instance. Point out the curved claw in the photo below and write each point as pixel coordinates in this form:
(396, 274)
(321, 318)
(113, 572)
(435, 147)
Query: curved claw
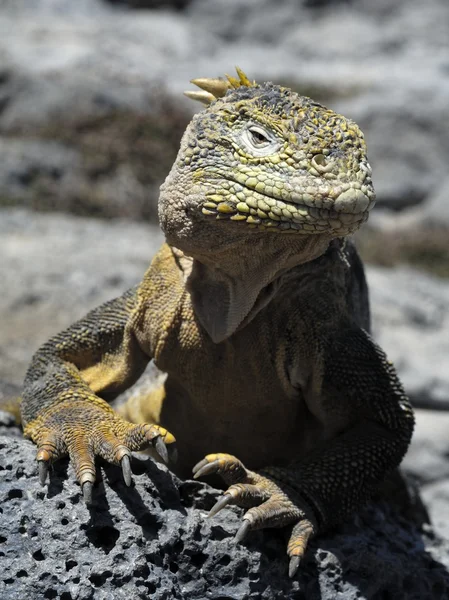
(295, 561)
(43, 471)
(243, 531)
(126, 470)
(161, 448)
(87, 492)
(204, 467)
(221, 503)
(198, 466)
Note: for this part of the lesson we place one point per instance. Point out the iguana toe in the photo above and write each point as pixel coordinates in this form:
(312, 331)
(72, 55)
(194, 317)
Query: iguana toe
(297, 544)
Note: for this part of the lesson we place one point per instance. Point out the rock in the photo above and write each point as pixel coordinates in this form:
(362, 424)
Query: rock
(436, 497)
(427, 462)
(9, 408)
(435, 211)
(411, 322)
(177, 4)
(86, 79)
(91, 59)
(8, 425)
(153, 540)
(427, 458)
(54, 269)
(26, 161)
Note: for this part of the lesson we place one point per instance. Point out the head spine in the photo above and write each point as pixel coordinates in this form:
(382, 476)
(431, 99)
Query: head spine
(213, 88)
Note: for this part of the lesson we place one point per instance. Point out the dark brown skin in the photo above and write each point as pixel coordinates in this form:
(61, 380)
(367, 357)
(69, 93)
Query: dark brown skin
(260, 323)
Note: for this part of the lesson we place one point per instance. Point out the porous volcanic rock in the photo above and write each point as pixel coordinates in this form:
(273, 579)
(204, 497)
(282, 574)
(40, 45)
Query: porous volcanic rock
(153, 540)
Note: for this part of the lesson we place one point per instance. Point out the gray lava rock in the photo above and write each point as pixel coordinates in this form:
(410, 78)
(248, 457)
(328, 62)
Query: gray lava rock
(427, 457)
(177, 4)
(153, 540)
(388, 71)
(54, 269)
(411, 322)
(25, 160)
(427, 462)
(436, 210)
(8, 425)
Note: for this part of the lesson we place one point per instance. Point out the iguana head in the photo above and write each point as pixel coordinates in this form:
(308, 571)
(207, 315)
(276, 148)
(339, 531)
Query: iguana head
(262, 158)
(264, 180)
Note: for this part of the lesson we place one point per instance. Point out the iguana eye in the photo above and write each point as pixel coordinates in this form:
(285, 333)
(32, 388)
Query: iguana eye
(258, 136)
(259, 141)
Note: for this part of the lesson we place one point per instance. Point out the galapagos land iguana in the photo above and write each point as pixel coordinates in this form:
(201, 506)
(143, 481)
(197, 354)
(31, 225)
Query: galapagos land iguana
(256, 307)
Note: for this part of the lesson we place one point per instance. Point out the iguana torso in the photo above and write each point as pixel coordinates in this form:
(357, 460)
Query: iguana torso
(254, 404)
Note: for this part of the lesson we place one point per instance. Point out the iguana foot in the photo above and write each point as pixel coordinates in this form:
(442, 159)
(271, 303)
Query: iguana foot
(270, 503)
(85, 431)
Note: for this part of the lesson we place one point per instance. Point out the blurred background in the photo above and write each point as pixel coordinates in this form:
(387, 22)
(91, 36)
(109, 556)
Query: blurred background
(91, 114)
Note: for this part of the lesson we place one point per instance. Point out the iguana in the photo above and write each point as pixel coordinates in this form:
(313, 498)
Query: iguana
(256, 308)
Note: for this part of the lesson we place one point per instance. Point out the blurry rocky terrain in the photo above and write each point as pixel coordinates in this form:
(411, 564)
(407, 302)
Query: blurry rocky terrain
(91, 113)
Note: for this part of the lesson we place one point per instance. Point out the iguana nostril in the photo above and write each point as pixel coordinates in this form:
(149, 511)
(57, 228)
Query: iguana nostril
(321, 163)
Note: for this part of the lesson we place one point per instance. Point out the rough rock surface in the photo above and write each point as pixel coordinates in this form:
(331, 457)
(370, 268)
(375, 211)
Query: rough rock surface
(153, 540)
(436, 210)
(427, 462)
(54, 269)
(411, 321)
(90, 58)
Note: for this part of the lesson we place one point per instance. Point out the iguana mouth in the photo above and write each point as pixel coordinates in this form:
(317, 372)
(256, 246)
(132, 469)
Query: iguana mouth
(342, 208)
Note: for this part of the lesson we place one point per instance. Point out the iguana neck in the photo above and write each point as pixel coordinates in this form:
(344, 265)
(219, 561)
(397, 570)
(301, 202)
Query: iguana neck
(229, 287)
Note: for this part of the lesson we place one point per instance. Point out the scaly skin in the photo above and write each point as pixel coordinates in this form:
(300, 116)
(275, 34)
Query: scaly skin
(257, 310)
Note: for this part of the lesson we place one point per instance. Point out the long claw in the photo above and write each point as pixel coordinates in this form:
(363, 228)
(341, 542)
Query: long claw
(200, 470)
(197, 468)
(294, 566)
(221, 503)
(161, 448)
(126, 470)
(43, 471)
(243, 531)
(87, 492)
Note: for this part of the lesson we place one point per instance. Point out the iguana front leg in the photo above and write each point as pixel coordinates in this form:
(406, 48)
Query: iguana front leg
(354, 385)
(64, 407)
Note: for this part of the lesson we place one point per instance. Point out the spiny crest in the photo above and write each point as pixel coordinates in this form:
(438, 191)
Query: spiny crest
(211, 88)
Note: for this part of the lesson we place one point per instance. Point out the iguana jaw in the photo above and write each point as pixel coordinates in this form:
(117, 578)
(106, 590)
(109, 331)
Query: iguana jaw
(300, 204)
